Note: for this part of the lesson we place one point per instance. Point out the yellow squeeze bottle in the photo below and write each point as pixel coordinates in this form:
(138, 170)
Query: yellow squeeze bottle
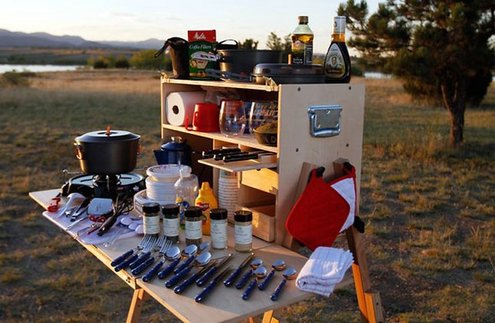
(206, 200)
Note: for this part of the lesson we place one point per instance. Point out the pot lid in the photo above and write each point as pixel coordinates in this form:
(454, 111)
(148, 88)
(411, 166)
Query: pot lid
(269, 69)
(107, 135)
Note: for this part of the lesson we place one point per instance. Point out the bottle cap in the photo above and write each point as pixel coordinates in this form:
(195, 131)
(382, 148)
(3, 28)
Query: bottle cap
(218, 214)
(193, 212)
(303, 19)
(339, 24)
(170, 209)
(151, 207)
(243, 216)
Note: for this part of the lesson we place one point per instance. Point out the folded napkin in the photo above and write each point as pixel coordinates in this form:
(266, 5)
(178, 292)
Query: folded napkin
(324, 269)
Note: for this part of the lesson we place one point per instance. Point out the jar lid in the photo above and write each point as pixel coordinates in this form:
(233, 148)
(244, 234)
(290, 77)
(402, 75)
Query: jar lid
(151, 207)
(243, 216)
(193, 212)
(170, 209)
(218, 214)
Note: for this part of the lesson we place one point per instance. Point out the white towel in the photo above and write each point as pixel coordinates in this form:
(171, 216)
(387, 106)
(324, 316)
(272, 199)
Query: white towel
(324, 269)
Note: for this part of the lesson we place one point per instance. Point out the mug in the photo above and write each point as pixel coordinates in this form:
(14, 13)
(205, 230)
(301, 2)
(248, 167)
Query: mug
(205, 117)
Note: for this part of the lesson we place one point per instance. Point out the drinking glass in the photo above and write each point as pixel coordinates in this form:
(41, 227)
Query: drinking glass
(232, 118)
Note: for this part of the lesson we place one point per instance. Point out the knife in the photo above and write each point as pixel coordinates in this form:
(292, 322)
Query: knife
(230, 280)
(211, 153)
(203, 279)
(207, 290)
(189, 281)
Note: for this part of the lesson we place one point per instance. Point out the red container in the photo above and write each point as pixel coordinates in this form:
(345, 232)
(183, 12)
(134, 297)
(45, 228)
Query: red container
(205, 117)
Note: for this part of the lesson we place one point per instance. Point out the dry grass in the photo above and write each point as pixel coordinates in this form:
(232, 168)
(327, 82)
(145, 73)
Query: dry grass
(430, 211)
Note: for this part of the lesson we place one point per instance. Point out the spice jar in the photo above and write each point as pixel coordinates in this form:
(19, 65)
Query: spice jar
(243, 230)
(151, 218)
(194, 220)
(218, 228)
(171, 222)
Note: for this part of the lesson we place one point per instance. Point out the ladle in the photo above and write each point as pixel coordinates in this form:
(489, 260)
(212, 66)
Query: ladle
(259, 273)
(289, 274)
(201, 260)
(173, 255)
(255, 263)
(278, 265)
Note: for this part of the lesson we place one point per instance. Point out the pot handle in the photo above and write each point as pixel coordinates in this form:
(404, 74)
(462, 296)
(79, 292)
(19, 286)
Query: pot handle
(79, 151)
(221, 45)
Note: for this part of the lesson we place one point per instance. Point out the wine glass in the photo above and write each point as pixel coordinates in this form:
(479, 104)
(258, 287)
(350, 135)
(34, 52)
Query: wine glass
(232, 118)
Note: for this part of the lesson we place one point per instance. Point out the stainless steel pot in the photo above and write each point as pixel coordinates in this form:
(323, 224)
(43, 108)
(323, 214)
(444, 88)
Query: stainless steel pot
(243, 61)
(107, 152)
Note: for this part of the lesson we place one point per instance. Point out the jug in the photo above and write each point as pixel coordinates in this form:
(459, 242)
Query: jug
(179, 54)
(176, 151)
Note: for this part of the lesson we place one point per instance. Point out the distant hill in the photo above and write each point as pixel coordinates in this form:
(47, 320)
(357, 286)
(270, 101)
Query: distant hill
(10, 39)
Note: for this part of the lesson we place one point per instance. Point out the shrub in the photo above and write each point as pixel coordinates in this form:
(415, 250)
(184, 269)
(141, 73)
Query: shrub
(15, 79)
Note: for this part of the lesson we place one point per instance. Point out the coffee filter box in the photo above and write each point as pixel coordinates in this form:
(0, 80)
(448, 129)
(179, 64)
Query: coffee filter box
(200, 42)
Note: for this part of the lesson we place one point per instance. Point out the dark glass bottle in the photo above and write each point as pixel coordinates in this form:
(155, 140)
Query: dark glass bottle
(337, 61)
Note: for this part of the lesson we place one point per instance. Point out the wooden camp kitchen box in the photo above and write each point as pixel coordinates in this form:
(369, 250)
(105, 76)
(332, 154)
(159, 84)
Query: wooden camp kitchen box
(318, 124)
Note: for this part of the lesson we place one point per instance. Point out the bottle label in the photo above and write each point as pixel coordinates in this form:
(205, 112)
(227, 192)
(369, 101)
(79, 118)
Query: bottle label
(193, 230)
(171, 227)
(302, 53)
(334, 62)
(308, 54)
(243, 234)
(218, 233)
(151, 224)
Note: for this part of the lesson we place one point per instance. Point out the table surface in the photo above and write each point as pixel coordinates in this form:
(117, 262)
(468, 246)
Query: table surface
(225, 303)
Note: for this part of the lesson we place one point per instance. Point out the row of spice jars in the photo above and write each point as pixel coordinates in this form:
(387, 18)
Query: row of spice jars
(243, 232)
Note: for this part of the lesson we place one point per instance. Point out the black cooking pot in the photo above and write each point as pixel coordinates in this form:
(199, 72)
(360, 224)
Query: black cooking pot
(107, 152)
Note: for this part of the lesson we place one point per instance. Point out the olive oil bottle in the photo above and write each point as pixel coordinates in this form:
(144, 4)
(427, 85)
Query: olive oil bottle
(337, 61)
(302, 43)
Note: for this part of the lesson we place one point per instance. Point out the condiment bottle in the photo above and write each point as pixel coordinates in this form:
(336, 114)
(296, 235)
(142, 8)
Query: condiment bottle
(302, 43)
(193, 223)
(186, 189)
(171, 222)
(218, 228)
(243, 230)
(337, 61)
(206, 200)
(151, 218)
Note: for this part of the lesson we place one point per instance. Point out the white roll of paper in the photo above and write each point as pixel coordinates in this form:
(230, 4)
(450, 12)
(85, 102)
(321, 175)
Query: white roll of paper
(179, 106)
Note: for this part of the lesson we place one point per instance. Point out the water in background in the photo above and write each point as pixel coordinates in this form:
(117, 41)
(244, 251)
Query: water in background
(37, 68)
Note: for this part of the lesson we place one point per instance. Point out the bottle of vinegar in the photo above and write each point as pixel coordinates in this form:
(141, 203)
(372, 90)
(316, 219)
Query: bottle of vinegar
(302, 43)
(337, 61)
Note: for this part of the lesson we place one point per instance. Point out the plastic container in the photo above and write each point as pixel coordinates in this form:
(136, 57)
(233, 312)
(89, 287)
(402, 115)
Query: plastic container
(186, 190)
(206, 200)
(302, 43)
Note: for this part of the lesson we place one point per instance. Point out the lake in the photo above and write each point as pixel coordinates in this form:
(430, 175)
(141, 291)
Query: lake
(37, 68)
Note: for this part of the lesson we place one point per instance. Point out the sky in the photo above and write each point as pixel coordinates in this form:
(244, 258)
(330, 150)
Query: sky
(133, 20)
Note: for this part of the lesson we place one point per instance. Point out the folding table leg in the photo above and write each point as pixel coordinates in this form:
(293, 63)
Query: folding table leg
(138, 299)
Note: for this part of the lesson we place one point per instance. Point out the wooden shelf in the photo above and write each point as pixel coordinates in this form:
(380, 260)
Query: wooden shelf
(223, 84)
(244, 140)
(242, 165)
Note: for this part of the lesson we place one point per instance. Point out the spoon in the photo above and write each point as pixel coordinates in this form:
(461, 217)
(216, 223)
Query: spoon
(202, 260)
(190, 253)
(172, 254)
(255, 263)
(259, 273)
(289, 274)
(278, 265)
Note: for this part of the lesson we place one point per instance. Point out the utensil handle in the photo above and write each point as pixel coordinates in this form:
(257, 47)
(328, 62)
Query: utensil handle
(264, 284)
(177, 277)
(249, 290)
(153, 271)
(231, 279)
(143, 266)
(105, 227)
(185, 264)
(168, 270)
(185, 283)
(205, 292)
(244, 279)
(206, 276)
(124, 264)
(121, 258)
(140, 259)
(278, 290)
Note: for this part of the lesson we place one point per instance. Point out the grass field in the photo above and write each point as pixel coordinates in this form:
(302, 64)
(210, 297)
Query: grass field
(429, 210)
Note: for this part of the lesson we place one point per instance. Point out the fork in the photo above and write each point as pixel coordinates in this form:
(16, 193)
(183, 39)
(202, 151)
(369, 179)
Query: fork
(145, 253)
(130, 256)
(150, 260)
(161, 256)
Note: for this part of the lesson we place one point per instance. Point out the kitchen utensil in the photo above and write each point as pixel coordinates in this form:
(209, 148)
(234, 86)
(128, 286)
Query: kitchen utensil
(209, 288)
(173, 255)
(68, 208)
(161, 260)
(231, 279)
(129, 253)
(278, 265)
(175, 151)
(107, 152)
(208, 274)
(205, 117)
(288, 73)
(255, 263)
(214, 152)
(144, 254)
(259, 274)
(202, 260)
(189, 281)
(289, 274)
(161, 243)
(232, 118)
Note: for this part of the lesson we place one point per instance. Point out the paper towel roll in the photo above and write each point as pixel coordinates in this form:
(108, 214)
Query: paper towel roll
(180, 105)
